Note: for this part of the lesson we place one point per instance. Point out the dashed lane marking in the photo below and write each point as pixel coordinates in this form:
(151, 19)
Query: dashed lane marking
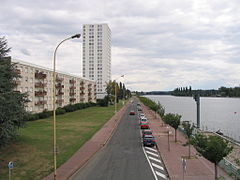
(157, 160)
(161, 174)
(152, 153)
(151, 149)
(157, 166)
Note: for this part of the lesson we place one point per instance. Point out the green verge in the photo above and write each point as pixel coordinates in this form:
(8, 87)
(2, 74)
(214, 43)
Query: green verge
(32, 151)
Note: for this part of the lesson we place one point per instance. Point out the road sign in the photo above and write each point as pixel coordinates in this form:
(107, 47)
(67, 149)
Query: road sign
(10, 165)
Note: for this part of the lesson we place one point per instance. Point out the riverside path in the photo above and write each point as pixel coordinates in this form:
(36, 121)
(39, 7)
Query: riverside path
(124, 157)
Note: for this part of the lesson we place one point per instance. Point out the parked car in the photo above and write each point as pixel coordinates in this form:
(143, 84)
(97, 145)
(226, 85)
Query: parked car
(149, 140)
(139, 108)
(132, 112)
(146, 132)
(141, 115)
(144, 125)
(143, 120)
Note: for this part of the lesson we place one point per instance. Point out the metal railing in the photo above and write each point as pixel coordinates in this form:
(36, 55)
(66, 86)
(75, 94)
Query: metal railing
(229, 167)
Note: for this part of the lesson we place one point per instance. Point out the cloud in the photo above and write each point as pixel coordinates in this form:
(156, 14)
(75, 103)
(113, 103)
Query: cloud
(158, 45)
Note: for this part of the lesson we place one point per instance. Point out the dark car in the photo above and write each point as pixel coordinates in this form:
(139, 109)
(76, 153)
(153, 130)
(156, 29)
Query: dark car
(132, 112)
(144, 125)
(146, 132)
(149, 140)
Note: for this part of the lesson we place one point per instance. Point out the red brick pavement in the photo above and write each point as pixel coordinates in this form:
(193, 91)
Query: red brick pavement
(89, 148)
(198, 168)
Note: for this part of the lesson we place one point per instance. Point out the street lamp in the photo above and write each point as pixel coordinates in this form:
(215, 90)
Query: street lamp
(54, 107)
(169, 132)
(116, 93)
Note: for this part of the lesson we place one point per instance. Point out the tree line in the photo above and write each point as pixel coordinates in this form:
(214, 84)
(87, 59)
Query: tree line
(115, 89)
(220, 92)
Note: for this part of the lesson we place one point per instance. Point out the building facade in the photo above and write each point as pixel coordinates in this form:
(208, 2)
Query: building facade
(97, 55)
(37, 81)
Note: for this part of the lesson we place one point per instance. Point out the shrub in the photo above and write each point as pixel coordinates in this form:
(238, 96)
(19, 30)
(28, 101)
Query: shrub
(104, 101)
(60, 111)
(69, 108)
(45, 114)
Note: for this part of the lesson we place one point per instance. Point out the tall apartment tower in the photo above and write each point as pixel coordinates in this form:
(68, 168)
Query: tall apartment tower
(97, 55)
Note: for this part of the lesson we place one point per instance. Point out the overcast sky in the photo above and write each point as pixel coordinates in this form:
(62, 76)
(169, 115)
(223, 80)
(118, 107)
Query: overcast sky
(158, 45)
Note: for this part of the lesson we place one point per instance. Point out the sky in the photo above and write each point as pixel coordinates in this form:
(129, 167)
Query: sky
(157, 45)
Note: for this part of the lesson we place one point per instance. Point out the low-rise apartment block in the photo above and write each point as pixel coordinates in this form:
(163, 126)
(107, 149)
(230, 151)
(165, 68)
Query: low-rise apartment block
(37, 82)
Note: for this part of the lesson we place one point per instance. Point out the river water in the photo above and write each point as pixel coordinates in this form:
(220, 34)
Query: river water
(215, 113)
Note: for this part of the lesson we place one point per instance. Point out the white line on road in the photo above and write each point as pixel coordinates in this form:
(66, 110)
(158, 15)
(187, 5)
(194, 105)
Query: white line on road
(157, 160)
(152, 153)
(154, 174)
(157, 166)
(161, 175)
(151, 149)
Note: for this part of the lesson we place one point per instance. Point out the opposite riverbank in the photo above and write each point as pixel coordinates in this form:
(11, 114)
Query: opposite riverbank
(32, 150)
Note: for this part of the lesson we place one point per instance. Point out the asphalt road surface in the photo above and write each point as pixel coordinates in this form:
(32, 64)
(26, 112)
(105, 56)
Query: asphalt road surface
(123, 157)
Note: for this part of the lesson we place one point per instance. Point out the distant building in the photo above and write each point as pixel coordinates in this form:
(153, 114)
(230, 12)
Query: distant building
(37, 82)
(97, 55)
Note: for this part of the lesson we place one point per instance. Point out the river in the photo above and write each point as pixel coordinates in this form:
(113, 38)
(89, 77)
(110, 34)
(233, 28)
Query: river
(215, 113)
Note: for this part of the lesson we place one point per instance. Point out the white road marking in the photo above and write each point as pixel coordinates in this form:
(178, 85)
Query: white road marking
(157, 166)
(157, 160)
(151, 149)
(161, 175)
(152, 153)
(154, 174)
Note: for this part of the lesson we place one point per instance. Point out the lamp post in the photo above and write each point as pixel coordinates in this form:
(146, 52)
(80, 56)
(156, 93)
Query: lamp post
(116, 93)
(54, 107)
(169, 132)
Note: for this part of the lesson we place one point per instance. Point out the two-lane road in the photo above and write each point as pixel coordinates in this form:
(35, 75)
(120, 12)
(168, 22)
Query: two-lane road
(122, 158)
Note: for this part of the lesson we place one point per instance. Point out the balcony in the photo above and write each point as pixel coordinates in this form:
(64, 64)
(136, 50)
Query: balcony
(82, 94)
(59, 101)
(82, 88)
(82, 83)
(18, 82)
(72, 99)
(40, 75)
(89, 89)
(59, 86)
(72, 81)
(89, 85)
(72, 87)
(82, 99)
(40, 85)
(58, 79)
(89, 99)
(41, 102)
(60, 93)
(40, 93)
(89, 94)
(72, 93)
(18, 71)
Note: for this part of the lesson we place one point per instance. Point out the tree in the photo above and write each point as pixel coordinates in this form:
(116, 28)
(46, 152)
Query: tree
(213, 148)
(173, 120)
(12, 103)
(4, 49)
(161, 109)
(188, 129)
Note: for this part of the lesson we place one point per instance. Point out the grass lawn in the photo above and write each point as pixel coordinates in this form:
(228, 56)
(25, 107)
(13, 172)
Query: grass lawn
(32, 151)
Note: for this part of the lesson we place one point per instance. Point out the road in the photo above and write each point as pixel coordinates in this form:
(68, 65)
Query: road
(123, 157)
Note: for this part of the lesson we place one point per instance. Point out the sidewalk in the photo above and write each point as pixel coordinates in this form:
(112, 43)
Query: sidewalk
(198, 168)
(89, 148)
